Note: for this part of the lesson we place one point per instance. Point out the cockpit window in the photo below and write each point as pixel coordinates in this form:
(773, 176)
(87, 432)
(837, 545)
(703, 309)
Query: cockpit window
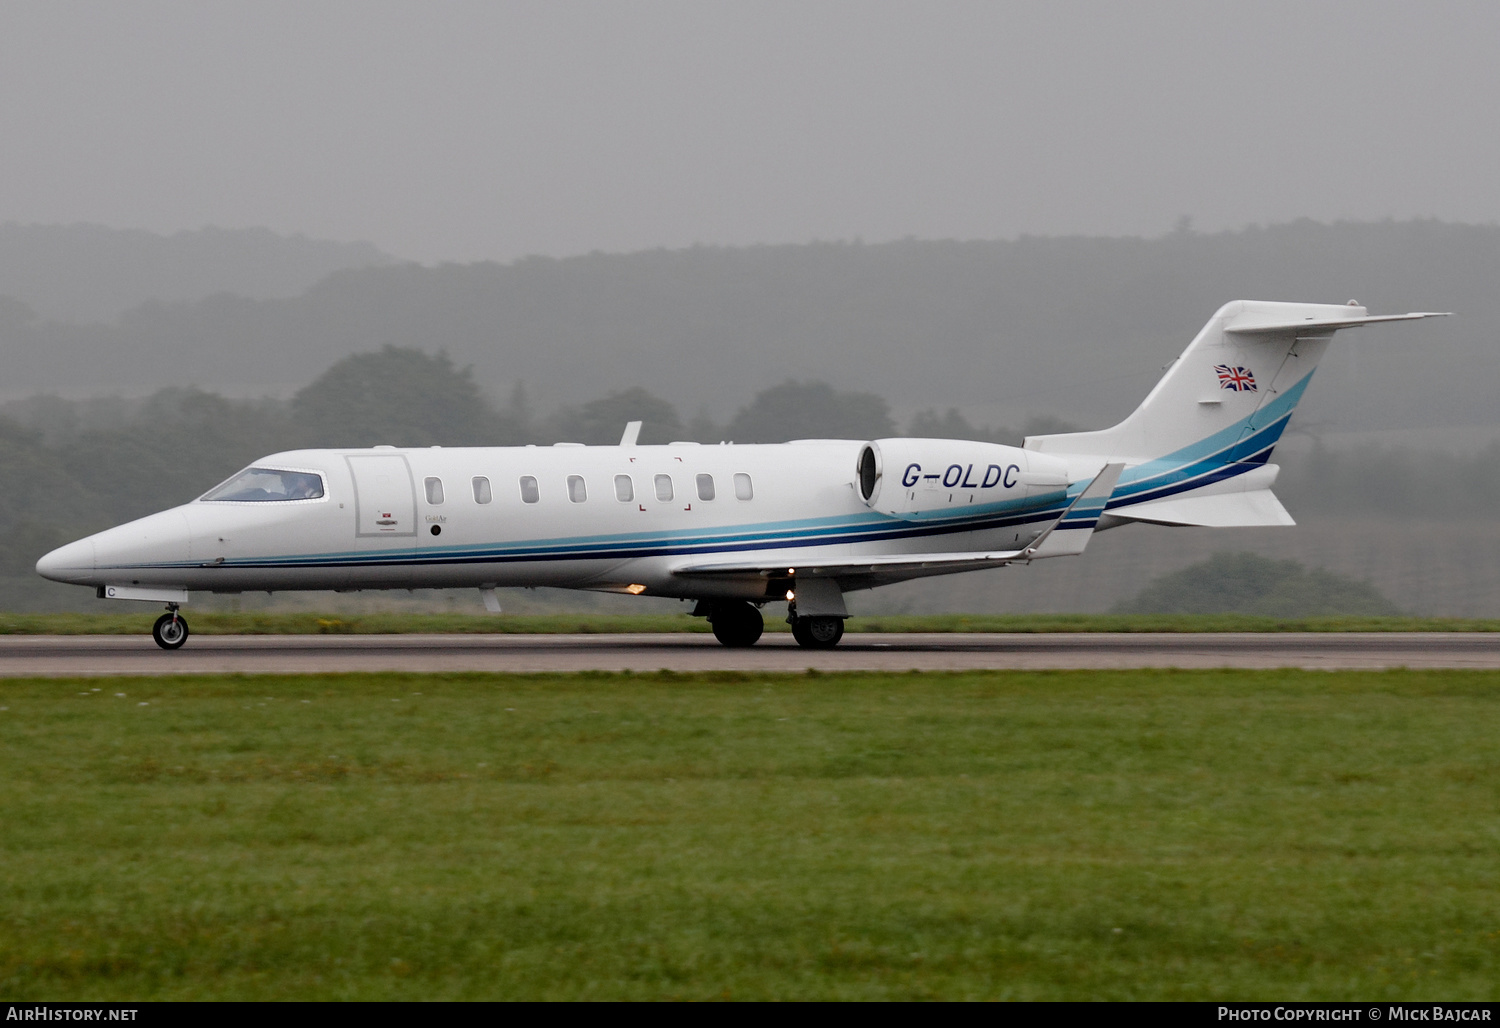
(258, 485)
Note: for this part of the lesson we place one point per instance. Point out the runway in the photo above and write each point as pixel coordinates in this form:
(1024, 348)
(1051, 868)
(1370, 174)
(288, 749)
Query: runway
(319, 654)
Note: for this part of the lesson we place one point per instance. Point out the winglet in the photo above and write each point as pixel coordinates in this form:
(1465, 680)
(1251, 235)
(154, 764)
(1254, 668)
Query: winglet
(631, 434)
(1070, 533)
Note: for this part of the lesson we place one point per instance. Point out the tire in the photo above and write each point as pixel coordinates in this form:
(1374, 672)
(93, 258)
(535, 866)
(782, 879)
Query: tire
(170, 631)
(818, 633)
(736, 624)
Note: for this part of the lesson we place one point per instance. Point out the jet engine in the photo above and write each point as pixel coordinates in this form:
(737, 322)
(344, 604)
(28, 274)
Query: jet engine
(916, 479)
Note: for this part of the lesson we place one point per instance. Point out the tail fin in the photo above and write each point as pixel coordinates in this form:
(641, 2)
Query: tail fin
(1218, 411)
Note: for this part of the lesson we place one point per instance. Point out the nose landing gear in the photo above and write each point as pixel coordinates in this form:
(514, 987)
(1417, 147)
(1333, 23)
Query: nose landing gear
(170, 630)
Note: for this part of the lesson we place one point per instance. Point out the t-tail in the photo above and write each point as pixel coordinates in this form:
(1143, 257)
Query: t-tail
(1198, 447)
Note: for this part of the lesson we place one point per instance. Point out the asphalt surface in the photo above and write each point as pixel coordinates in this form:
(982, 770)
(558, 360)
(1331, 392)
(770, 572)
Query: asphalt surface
(283, 654)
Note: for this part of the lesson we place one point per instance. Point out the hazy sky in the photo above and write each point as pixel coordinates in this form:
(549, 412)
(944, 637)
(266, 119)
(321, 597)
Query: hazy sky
(461, 131)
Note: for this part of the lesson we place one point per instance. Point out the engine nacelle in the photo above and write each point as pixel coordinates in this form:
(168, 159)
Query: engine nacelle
(915, 479)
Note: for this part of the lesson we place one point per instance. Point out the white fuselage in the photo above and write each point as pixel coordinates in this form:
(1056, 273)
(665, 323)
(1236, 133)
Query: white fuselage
(373, 527)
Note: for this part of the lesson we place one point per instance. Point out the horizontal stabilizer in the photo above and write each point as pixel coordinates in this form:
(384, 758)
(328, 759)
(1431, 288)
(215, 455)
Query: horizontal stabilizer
(1225, 510)
(1254, 326)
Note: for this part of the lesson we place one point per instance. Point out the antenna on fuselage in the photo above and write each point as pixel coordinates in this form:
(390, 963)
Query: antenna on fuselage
(632, 433)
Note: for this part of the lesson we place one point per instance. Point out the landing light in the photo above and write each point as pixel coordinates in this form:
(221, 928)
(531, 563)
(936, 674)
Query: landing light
(635, 590)
(790, 595)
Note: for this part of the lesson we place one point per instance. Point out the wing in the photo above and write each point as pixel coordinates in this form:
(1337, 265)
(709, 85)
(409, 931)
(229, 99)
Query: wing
(879, 569)
(871, 565)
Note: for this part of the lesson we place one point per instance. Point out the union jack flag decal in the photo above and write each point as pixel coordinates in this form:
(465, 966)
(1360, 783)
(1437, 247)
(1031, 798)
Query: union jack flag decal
(1238, 379)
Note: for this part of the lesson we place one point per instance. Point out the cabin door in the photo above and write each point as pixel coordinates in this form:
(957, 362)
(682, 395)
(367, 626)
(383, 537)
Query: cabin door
(385, 499)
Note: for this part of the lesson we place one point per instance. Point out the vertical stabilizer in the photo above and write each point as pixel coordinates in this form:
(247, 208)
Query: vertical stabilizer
(1202, 438)
(1233, 389)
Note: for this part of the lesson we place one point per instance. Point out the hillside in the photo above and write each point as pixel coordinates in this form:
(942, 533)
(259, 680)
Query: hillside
(1076, 327)
(90, 273)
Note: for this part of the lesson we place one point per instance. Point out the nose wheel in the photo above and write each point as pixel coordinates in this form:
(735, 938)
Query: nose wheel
(170, 630)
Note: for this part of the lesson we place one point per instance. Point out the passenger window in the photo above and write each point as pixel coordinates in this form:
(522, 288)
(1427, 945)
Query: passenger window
(705, 487)
(529, 492)
(482, 490)
(624, 488)
(577, 492)
(663, 487)
(434, 491)
(742, 489)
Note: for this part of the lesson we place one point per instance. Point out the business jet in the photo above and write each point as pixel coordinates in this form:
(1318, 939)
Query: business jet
(734, 527)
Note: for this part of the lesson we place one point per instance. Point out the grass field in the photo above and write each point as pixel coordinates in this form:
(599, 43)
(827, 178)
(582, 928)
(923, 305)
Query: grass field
(1206, 835)
(300, 623)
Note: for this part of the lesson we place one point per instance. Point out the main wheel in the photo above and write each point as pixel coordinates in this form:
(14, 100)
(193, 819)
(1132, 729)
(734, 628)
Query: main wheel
(818, 633)
(170, 631)
(799, 631)
(736, 623)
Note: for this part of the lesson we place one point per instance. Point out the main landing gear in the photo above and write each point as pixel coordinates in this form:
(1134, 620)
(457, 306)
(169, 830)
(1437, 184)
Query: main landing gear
(736, 622)
(739, 623)
(817, 633)
(170, 630)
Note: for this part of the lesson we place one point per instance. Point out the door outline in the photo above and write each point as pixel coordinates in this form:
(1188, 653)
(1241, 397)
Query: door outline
(359, 512)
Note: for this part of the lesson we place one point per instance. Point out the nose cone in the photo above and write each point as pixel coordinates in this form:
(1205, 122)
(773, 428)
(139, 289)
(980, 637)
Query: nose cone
(149, 551)
(71, 563)
(160, 541)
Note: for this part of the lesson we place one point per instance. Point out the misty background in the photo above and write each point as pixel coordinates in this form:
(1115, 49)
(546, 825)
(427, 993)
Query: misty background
(230, 229)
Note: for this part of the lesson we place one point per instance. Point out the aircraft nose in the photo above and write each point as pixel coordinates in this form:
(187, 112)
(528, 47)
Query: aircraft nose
(71, 563)
(147, 544)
